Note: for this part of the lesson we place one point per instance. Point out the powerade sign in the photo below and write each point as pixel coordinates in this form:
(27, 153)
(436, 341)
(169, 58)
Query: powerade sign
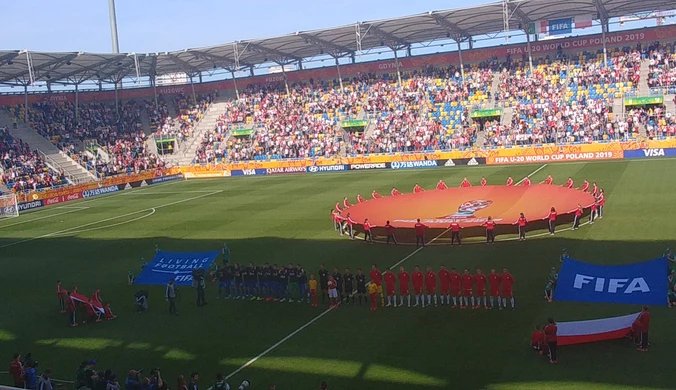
(248, 172)
(637, 284)
(99, 191)
(29, 205)
(326, 168)
(357, 167)
(162, 179)
(650, 153)
(561, 26)
(175, 265)
(413, 164)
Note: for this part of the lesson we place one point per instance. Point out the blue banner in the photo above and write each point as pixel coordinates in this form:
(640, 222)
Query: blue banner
(248, 172)
(162, 179)
(326, 168)
(561, 26)
(650, 153)
(413, 164)
(637, 284)
(25, 206)
(176, 265)
(99, 191)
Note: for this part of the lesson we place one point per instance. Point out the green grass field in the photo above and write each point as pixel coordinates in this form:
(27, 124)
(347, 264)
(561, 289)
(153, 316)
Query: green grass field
(282, 219)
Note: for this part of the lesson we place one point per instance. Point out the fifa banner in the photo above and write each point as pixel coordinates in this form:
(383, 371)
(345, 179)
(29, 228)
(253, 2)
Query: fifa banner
(637, 284)
(579, 332)
(176, 265)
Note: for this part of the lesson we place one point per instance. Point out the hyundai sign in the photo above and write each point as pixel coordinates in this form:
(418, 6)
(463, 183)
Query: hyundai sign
(326, 168)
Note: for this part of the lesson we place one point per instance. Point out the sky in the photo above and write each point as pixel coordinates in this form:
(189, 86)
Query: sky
(146, 26)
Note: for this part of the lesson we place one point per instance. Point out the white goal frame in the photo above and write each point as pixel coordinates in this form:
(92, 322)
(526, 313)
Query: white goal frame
(8, 206)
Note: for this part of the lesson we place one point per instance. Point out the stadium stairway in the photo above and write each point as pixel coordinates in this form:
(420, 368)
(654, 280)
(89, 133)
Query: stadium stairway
(186, 154)
(495, 87)
(507, 115)
(669, 105)
(618, 107)
(644, 89)
(54, 158)
(145, 121)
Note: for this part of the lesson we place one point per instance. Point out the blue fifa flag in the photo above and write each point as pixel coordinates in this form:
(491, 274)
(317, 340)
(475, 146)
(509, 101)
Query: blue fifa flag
(561, 26)
(177, 265)
(637, 284)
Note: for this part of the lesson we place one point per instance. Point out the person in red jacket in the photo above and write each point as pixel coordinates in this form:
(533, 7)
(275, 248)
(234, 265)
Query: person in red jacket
(551, 339)
(395, 192)
(404, 286)
(490, 230)
(510, 181)
(360, 199)
(551, 218)
(418, 281)
(346, 203)
(390, 287)
(537, 339)
(441, 185)
(526, 182)
(431, 286)
(521, 226)
(585, 186)
(569, 183)
(71, 309)
(417, 189)
(17, 371)
(60, 293)
(465, 183)
(389, 230)
(445, 285)
(456, 281)
(549, 180)
(419, 233)
(375, 195)
(455, 232)
(578, 217)
(602, 202)
(644, 325)
(368, 236)
(483, 182)
(594, 210)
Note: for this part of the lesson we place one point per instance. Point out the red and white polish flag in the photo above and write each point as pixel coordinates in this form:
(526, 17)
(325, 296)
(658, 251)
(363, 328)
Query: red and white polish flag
(578, 332)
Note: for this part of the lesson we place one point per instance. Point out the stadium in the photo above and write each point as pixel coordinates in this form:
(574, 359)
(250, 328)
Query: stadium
(215, 216)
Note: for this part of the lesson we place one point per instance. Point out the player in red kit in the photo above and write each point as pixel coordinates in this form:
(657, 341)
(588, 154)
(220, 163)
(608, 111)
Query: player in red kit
(569, 183)
(441, 185)
(594, 210)
(585, 186)
(60, 294)
(445, 285)
(360, 199)
(419, 233)
(465, 183)
(455, 232)
(338, 209)
(375, 195)
(578, 217)
(431, 286)
(521, 226)
(549, 180)
(483, 182)
(551, 218)
(333, 292)
(494, 280)
(602, 202)
(467, 287)
(404, 289)
(349, 226)
(417, 189)
(510, 181)
(367, 231)
(346, 203)
(389, 229)
(456, 281)
(507, 281)
(595, 190)
(480, 281)
(377, 279)
(418, 281)
(390, 282)
(395, 192)
(96, 297)
(526, 182)
(490, 230)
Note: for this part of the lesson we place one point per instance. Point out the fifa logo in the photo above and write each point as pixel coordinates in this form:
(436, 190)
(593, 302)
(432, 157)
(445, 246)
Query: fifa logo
(467, 209)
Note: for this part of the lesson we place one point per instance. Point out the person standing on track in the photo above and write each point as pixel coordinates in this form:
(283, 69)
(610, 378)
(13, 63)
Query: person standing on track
(490, 230)
(552, 340)
(404, 289)
(455, 232)
(389, 229)
(551, 218)
(419, 233)
(521, 226)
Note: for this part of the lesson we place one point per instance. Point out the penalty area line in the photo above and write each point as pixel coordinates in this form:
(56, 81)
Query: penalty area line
(325, 312)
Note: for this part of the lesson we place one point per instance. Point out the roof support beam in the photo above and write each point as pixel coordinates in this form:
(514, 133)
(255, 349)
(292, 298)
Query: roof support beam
(91, 67)
(153, 67)
(603, 13)
(53, 62)
(8, 57)
(456, 32)
(279, 56)
(227, 63)
(514, 9)
(332, 48)
(186, 67)
(393, 42)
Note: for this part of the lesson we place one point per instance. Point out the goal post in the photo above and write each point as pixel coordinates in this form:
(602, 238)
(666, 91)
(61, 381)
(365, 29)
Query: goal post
(8, 206)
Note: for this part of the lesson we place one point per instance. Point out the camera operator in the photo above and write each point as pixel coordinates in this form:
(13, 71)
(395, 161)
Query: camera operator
(133, 381)
(156, 382)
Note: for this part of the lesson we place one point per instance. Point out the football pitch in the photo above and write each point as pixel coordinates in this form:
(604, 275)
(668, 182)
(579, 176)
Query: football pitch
(281, 219)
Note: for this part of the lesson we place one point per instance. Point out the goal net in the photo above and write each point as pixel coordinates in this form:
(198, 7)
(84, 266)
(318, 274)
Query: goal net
(8, 206)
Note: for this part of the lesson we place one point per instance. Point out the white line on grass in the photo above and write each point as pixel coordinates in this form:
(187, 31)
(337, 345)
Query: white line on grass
(71, 210)
(152, 211)
(109, 219)
(322, 314)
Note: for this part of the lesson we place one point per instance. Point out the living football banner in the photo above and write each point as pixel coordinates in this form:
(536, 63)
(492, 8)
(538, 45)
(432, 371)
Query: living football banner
(176, 265)
(637, 284)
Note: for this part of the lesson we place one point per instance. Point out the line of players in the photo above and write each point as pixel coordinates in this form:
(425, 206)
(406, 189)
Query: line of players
(267, 282)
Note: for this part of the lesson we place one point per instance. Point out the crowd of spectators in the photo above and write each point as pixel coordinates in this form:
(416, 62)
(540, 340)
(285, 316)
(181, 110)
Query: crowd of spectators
(24, 169)
(662, 67)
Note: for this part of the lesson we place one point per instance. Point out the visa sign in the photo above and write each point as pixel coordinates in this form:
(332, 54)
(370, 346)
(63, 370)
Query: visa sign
(650, 153)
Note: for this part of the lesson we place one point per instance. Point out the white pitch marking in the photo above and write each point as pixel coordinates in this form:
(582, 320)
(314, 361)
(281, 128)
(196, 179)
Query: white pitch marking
(108, 226)
(108, 219)
(45, 217)
(322, 314)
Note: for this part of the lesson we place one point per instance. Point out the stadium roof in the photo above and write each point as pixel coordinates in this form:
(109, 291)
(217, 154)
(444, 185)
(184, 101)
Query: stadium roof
(21, 67)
